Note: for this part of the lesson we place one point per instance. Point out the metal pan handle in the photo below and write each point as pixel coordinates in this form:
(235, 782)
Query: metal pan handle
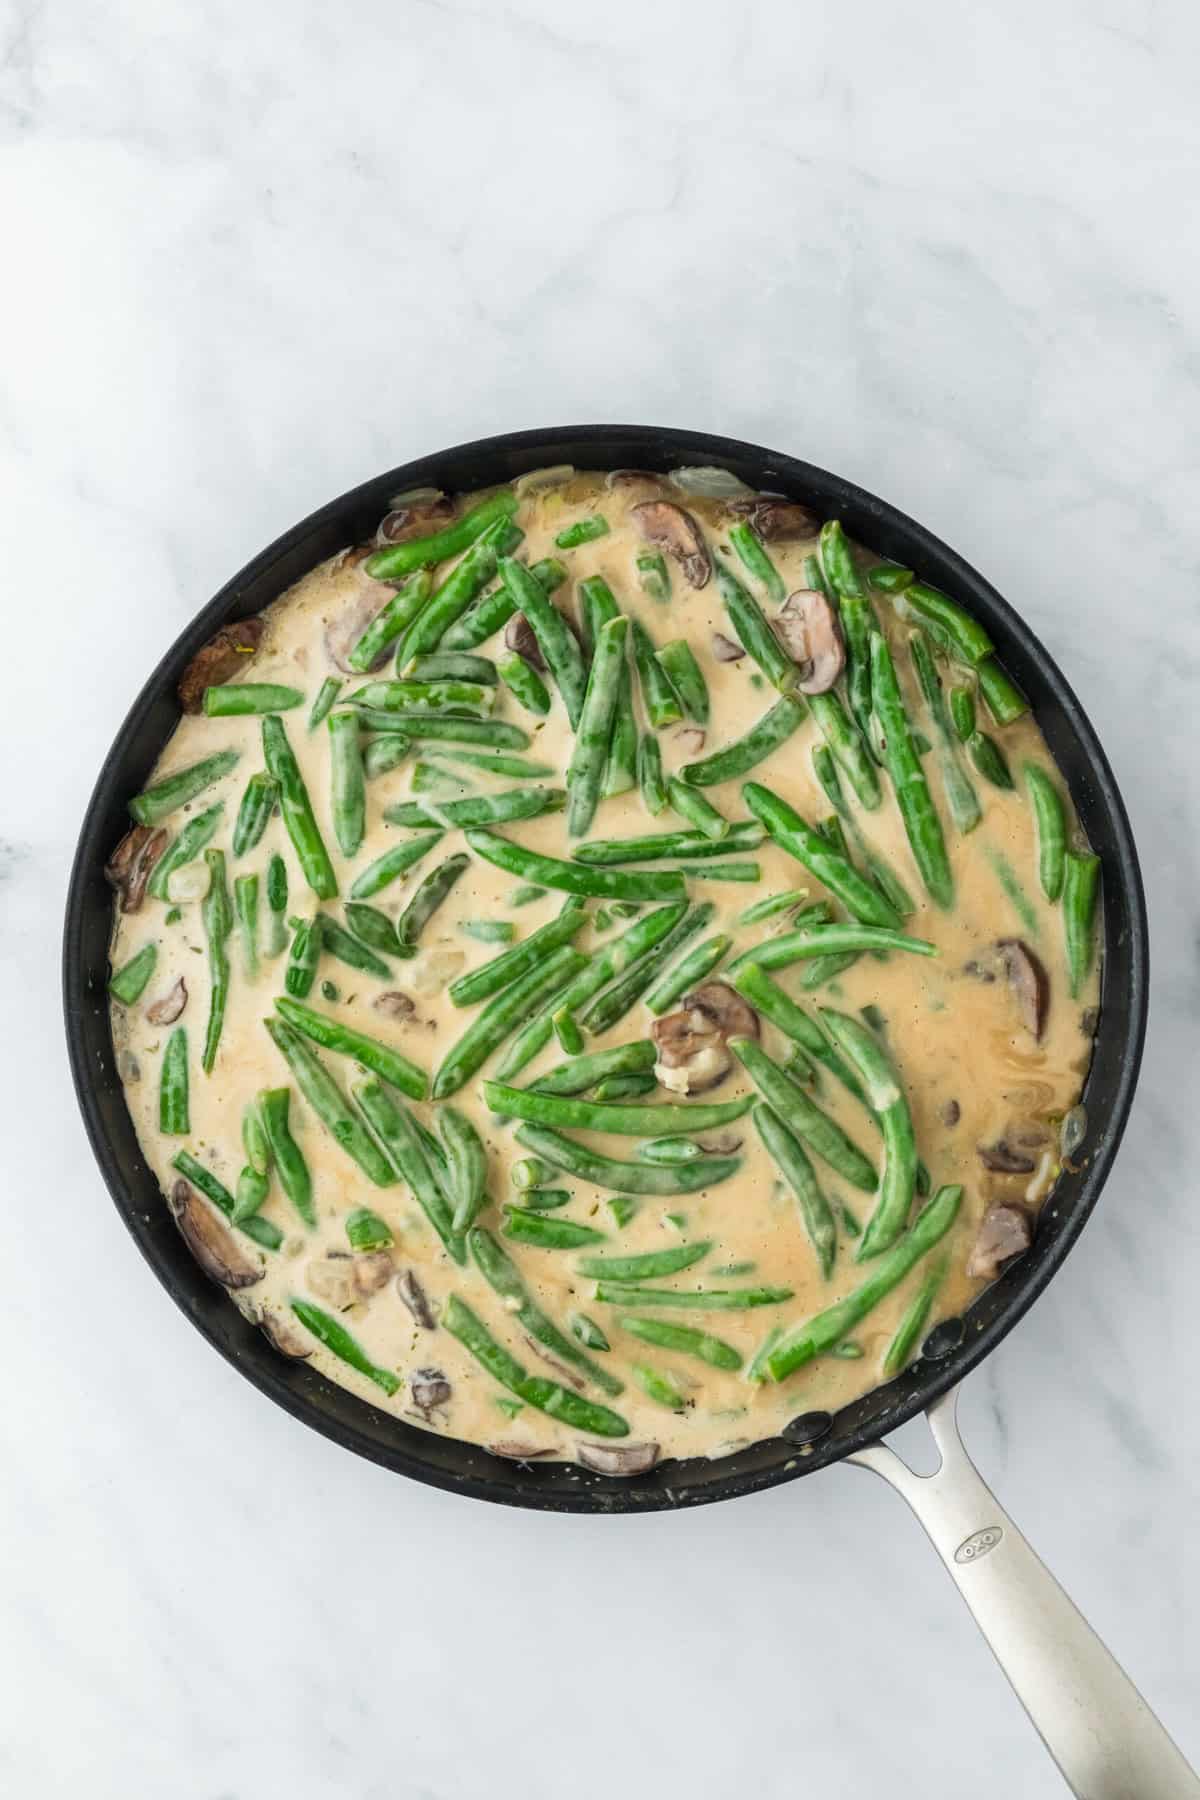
(1104, 1738)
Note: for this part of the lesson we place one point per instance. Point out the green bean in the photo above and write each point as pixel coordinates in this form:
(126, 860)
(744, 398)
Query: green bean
(661, 702)
(531, 1172)
(463, 585)
(625, 1087)
(419, 698)
(129, 983)
(826, 772)
(819, 913)
(547, 1396)
(390, 622)
(503, 1276)
(583, 1072)
(623, 1177)
(154, 804)
(888, 883)
(691, 805)
(529, 1227)
(338, 1341)
(303, 958)
(348, 785)
(654, 576)
(509, 1009)
(615, 1001)
(746, 834)
(686, 678)
(191, 840)
(834, 871)
(845, 741)
(962, 635)
(237, 699)
(328, 1102)
(251, 1195)
(858, 622)
(617, 1293)
(816, 578)
(837, 560)
(373, 928)
(752, 631)
(396, 560)
(254, 1139)
(652, 1265)
(365, 1230)
(327, 693)
(408, 1157)
(258, 803)
(599, 969)
(1006, 876)
(1081, 882)
(1051, 820)
(331, 1034)
(173, 1113)
(566, 1030)
(820, 1333)
(489, 931)
(466, 1166)
(493, 610)
(622, 1207)
(789, 1157)
(766, 997)
(962, 713)
(626, 1121)
(588, 1332)
(575, 878)
(960, 795)
(545, 1199)
(669, 1150)
(890, 578)
(277, 899)
(385, 752)
(350, 950)
(917, 810)
(588, 760)
(262, 1231)
(297, 810)
(990, 760)
(525, 684)
(1005, 700)
(501, 971)
(450, 665)
(393, 862)
(274, 1105)
(689, 1342)
(582, 531)
(660, 1387)
(911, 1326)
(556, 641)
(245, 905)
(756, 561)
(479, 809)
(451, 728)
(687, 973)
(650, 774)
(886, 1099)
(524, 893)
(621, 769)
(217, 916)
(785, 1097)
(428, 896)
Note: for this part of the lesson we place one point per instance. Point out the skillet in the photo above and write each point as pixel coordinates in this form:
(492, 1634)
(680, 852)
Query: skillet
(1106, 1741)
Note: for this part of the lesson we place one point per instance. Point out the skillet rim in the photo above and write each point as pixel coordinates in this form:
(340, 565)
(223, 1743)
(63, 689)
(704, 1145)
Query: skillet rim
(464, 1468)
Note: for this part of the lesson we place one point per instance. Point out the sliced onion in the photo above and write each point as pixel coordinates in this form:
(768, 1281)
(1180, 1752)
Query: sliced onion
(191, 882)
(711, 484)
(537, 479)
(411, 496)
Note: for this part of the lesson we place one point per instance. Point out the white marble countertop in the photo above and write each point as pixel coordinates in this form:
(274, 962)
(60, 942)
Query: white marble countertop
(255, 254)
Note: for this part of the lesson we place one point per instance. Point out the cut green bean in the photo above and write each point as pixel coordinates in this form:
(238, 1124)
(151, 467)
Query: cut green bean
(390, 622)
(845, 740)
(328, 1102)
(990, 760)
(303, 958)
(1005, 700)
(528, 1227)
(366, 1231)
(155, 803)
(1019, 899)
(488, 931)
(419, 698)
(618, 1293)
(686, 678)
(585, 772)
(886, 1099)
(659, 699)
(245, 906)
(837, 561)
(393, 862)
(660, 1387)
(348, 784)
(430, 893)
(262, 1231)
(669, 1150)
(447, 727)
(524, 893)
(410, 1158)
(691, 805)
(350, 950)
(583, 531)
(129, 983)
(921, 822)
(448, 602)
(683, 1338)
(385, 752)
(588, 1332)
(755, 560)
(821, 1333)
(502, 1015)
(556, 641)
(1050, 814)
(338, 1341)
(297, 810)
(274, 1105)
(584, 1072)
(652, 1265)
(687, 973)
(834, 871)
(625, 1087)
(899, 1351)
(321, 707)
(615, 1001)
(480, 984)
(787, 1098)
(654, 576)
(254, 1139)
(477, 809)
(188, 845)
(1081, 886)
(819, 913)
(890, 578)
(240, 699)
(545, 1199)
(961, 799)
(251, 1195)
(504, 1278)
(566, 1030)
(492, 611)
(650, 775)
(466, 1166)
(947, 622)
(217, 916)
(745, 834)
(333, 1035)
(525, 684)
(258, 803)
(173, 1113)
(769, 999)
(625, 1177)
(789, 1157)
(752, 631)
(450, 665)
(547, 1396)
(575, 877)
(397, 560)
(373, 928)
(625, 1121)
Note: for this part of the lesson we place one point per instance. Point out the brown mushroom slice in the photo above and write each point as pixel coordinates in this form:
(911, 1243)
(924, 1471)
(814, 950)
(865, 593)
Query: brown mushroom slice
(663, 523)
(210, 1241)
(726, 649)
(776, 520)
(1027, 978)
(514, 1451)
(733, 1016)
(394, 1005)
(170, 1007)
(809, 629)
(429, 1388)
(223, 657)
(282, 1335)
(1005, 1233)
(131, 864)
(416, 1299)
(372, 1271)
(619, 479)
(618, 1459)
(692, 1053)
(343, 631)
(1003, 1158)
(949, 1112)
(519, 636)
(417, 515)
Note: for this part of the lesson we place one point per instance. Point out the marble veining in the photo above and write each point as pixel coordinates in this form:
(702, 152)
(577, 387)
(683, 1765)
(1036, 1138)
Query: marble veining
(254, 255)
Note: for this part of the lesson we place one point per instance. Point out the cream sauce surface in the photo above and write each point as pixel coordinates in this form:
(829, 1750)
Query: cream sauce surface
(957, 1040)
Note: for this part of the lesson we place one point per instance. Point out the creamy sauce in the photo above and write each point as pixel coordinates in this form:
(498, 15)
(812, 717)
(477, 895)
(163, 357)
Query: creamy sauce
(953, 1037)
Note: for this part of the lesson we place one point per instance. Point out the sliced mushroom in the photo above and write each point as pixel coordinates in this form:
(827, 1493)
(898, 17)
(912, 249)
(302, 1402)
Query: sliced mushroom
(726, 649)
(690, 739)
(372, 1271)
(1004, 1234)
(394, 1004)
(429, 1388)
(618, 1459)
(416, 1299)
(734, 1016)
(1004, 1158)
(662, 522)
(519, 636)
(283, 1336)
(693, 1054)
(223, 657)
(417, 515)
(169, 1008)
(131, 864)
(514, 1451)
(210, 1241)
(344, 631)
(724, 1144)
(634, 478)
(808, 628)
(1029, 982)
(776, 519)
(949, 1112)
